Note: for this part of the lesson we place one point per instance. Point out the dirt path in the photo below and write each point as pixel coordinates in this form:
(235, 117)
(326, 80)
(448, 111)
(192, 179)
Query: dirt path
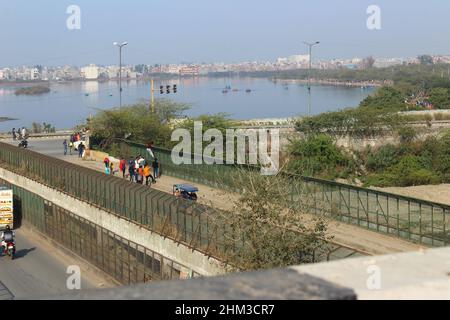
(435, 193)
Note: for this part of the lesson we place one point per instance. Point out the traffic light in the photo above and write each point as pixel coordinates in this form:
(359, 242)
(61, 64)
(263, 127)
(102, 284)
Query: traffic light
(161, 89)
(174, 88)
(167, 89)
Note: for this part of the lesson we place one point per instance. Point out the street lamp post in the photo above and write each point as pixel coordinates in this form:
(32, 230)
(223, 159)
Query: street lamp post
(310, 45)
(120, 45)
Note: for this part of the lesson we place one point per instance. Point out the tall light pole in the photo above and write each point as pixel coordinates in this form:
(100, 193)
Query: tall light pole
(120, 45)
(310, 45)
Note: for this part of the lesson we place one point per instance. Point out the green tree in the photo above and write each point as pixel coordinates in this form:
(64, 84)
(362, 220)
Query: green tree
(137, 123)
(440, 98)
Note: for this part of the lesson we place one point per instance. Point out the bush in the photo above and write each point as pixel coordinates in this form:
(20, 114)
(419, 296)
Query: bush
(360, 122)
(386, 99)
(440, 98)
(319, 156)
(408, 172)
(407, 134)
(385, 157)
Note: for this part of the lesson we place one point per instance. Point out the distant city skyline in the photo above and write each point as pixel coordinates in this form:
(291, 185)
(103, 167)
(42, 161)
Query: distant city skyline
(35, 33)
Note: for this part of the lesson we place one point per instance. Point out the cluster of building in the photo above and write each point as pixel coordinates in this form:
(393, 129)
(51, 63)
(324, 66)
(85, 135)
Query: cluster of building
(94, 72)
(66, 73)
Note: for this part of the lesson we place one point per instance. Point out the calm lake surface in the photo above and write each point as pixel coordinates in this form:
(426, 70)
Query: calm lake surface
(71, 103)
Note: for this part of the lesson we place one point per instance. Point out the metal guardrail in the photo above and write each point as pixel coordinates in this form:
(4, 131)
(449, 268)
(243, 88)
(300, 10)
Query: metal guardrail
(196, 226)
(413, 219)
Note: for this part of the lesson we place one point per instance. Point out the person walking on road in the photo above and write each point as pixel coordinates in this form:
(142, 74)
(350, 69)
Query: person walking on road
(111, 168)
(131, 170)
(123, 166)
(80, 150)
(106, 161)
(155, 166)
(136, 168)
(65, 147)
(70, 147)
(148, 174)
(14, 134)
(141, 175)
(24, 133)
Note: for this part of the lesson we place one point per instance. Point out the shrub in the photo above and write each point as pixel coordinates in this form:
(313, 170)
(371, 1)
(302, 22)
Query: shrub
(386, 99)
(440, 98)
(407, 134)
(385, 157)
(318, 156)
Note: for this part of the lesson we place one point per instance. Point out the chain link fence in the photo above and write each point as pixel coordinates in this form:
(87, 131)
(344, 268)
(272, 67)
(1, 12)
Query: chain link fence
(196, 226)
(126, 261)
(415, 220)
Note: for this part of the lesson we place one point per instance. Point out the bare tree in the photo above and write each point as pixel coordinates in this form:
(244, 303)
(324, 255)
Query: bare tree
(270, 222)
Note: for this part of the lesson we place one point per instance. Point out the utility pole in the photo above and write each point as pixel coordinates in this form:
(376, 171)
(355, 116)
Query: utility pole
(152, 95)
(120, 45)
(310, 45)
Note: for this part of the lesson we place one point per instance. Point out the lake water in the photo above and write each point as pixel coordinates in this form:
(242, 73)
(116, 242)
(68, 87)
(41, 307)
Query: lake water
(71, 103)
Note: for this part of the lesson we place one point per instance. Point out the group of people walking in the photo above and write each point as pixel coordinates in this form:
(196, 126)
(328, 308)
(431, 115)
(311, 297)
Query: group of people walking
(139, 170)
(21, 133)
(69, 146)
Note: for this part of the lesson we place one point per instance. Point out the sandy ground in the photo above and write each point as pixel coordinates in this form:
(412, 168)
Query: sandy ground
(435, 193)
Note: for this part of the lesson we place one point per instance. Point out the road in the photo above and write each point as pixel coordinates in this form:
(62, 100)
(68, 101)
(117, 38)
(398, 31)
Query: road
(40, 269)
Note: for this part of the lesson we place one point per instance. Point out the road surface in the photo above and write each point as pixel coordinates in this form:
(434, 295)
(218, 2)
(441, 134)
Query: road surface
(40, 269)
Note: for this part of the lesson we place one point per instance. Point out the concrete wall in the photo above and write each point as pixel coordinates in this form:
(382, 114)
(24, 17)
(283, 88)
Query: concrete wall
(195, 260)
(404, 276)
(412, 275)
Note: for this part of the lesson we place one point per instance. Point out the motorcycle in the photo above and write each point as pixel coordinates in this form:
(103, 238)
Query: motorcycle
(10, 249)
(23, 144)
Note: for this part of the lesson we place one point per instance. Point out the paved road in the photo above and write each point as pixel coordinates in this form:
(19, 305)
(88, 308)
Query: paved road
(39, 269)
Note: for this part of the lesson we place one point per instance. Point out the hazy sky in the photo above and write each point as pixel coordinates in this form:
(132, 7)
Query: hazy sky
(35, 32)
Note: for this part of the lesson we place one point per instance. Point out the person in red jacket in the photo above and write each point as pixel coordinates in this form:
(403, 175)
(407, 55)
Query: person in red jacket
(123, 166)
(106, 161)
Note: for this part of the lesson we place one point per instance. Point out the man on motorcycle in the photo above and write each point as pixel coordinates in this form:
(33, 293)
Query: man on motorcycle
(7, 236)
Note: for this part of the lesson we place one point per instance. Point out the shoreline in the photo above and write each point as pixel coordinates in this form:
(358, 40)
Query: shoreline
(336, 83)
(328, 82)
(4, 119)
